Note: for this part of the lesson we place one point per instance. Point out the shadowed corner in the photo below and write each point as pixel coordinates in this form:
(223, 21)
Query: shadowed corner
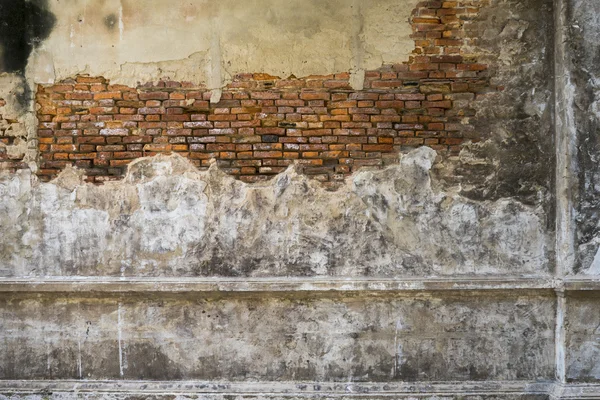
(23, 25)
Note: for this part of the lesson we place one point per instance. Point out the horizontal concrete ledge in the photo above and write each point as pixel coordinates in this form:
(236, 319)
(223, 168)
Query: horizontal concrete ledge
(574, 391)
(279, 389)
(288, 390)
(582, 283)
(183, 285)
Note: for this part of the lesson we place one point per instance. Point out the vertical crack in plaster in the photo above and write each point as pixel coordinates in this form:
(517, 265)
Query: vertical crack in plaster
(121, 25)
(561, 308)
(357, 72)
(48, 356)
(215, 78)
(120, 338)
(397, 348)
(79, 367)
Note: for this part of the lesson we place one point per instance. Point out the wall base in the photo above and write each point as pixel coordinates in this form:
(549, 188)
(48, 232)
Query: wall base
(295, 390)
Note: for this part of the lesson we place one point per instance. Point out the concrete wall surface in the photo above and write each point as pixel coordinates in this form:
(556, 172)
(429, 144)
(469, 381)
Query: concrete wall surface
(268, 199)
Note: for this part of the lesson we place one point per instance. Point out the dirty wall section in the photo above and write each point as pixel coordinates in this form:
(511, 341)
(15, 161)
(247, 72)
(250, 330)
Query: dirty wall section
(380, 223)
(515, 154)
(582, 336)
(306, 139)
(583, 124)
(455, 93)
(581, 98)
(421, 337)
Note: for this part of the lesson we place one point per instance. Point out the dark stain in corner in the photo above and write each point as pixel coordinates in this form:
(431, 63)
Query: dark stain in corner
(23, 25)
(110, 21)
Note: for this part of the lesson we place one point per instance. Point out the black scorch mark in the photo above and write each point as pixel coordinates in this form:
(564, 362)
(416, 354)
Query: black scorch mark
(23, 25)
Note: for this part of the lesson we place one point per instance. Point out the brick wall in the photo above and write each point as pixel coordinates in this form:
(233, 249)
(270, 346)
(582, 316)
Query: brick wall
(263, 123)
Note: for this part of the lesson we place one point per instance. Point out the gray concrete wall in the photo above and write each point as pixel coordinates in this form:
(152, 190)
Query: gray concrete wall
(357, 338)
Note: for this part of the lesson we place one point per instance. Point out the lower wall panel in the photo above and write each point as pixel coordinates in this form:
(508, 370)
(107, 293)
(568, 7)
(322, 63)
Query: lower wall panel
(583, 337)
(434, 336)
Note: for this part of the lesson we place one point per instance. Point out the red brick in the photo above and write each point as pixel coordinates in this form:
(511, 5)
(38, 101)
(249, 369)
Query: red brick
(154, 95)
(114, 132)
(107, 95)
(268, 154)
(80, 156)
(128, 154)
(63, 147)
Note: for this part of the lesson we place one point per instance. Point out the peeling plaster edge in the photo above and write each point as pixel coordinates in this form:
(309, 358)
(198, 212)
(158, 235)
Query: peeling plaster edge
(294, 169)
(284, 389)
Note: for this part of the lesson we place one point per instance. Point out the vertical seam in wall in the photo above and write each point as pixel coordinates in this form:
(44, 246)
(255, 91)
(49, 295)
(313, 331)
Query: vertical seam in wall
(565, 151)
(565, 176)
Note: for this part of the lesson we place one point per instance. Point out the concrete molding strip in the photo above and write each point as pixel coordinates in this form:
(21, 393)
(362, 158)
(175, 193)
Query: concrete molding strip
(579, 391)
(208, 389)
(175, 285)
(278, 389)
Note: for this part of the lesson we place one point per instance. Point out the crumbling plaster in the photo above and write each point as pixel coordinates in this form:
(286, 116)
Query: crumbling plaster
(488, 211)
(14, 121)
(412, 227)
(168, 219)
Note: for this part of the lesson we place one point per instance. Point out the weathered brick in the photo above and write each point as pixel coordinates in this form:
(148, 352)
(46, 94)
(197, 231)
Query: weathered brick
(153, 95)
(268, 154)
(114, 132)
(256, 131)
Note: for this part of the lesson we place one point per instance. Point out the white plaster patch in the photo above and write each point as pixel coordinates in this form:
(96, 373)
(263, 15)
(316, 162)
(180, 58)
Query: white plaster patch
(167, 218)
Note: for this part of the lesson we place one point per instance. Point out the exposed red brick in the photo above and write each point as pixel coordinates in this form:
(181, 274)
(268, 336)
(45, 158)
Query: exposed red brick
(263, 123)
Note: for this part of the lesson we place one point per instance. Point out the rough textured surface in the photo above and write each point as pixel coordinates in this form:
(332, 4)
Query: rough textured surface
(582, 58)
(167, 218)
(350, 339)
(582, 339)
(268, 36)
(439, 276)
(258, 124)
(261, 123)
(23, 25)
(17, 143)
(515, 155)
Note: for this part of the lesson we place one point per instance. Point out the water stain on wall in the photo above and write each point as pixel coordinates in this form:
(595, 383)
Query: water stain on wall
(23, 24)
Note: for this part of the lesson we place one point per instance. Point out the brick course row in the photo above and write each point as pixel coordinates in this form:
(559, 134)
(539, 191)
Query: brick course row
(263, 123)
